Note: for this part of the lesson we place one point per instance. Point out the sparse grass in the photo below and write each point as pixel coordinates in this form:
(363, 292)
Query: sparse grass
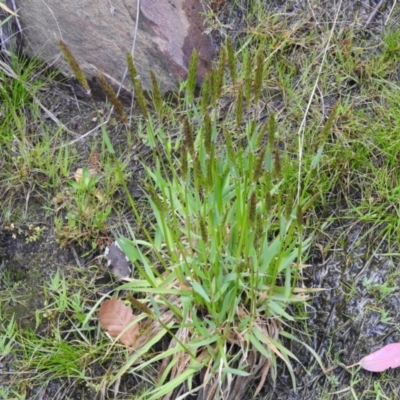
(60, 344)
(34, 162)
(237, 190)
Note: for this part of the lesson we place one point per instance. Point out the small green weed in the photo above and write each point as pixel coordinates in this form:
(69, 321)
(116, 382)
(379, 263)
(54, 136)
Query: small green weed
(7, 337)
(61, 345)
(84, 205)
(86, 212)
(381, 290)
(10, 394)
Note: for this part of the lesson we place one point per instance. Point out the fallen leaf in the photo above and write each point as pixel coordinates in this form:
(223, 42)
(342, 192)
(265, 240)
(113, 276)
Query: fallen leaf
(79, 173)
(115, 317)
(99, 196)
(382, 359)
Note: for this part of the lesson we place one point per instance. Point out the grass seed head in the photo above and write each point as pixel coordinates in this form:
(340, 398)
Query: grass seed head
(191, 80)
(277, 164)
(73, 63)
(231, 60)
(137, 86)
(157, 97)
(271, 133)
(252, 207)
(207, 133)
(229, 146)
(259, 164)
(329, 123)
(203, 230)
(112, 96)
(205, 94)
(268, 197)
(239, 107)
(155, 198)
(248, 79)
(289, 204)
(261, 135)
(259, 76)
(213, 88)
(220, 73)
(187, 130)
(209, 166)
(184, 160)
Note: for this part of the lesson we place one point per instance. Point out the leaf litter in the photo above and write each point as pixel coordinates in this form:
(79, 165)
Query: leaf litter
(117, 319)
(382, 359)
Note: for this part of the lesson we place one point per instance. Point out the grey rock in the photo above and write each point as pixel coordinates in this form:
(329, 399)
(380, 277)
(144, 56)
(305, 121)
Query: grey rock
(117, 262)
(100, 33)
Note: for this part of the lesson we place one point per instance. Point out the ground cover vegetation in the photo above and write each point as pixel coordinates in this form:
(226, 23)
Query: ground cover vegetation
(239, 182)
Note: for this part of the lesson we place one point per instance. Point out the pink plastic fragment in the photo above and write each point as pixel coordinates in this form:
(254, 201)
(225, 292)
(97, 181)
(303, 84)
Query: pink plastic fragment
(382, 359)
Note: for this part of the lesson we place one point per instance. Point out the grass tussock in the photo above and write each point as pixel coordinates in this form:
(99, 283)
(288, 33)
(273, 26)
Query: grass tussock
(238, 180)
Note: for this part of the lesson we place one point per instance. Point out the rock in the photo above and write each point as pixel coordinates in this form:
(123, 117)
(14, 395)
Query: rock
(100, 33)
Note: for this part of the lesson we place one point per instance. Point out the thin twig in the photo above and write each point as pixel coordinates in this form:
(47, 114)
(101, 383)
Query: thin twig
(390, 12)
(84, 135)
(302, 127)
(75, 254)
(132, 53)
(373, 13)
(52, 116)
(54, 17)
(16, 20)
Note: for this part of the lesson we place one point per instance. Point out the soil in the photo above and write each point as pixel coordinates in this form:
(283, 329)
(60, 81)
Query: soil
(337, 326)
(345, 321)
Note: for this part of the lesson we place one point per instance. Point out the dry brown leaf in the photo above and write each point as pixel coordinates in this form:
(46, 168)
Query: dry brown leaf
(99, 196)
(79, 173)
(115, 316)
